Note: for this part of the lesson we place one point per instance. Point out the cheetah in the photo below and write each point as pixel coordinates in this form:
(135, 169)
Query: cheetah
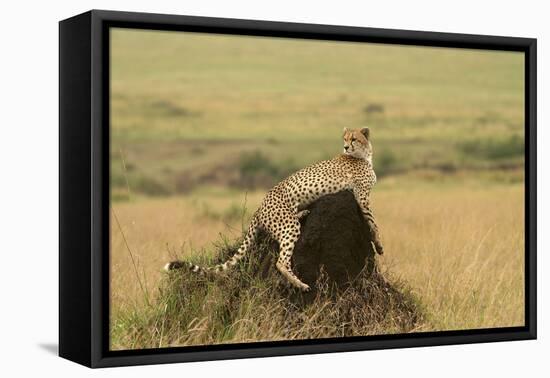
(285, 204)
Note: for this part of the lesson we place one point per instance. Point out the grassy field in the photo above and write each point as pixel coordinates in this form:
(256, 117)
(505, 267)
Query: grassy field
(459, 251)
(202, 126)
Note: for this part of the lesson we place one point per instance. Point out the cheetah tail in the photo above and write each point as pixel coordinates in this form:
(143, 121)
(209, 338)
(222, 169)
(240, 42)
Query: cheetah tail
(249, 239)
(178, 264)
(247, 242)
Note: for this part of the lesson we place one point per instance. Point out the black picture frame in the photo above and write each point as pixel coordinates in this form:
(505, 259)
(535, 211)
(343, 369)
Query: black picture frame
(84, 187)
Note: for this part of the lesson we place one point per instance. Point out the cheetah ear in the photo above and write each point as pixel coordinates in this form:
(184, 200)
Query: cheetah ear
(366, 132)
(346, 130)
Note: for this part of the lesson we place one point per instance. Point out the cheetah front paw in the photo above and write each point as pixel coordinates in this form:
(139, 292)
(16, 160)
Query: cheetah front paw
(303, 214)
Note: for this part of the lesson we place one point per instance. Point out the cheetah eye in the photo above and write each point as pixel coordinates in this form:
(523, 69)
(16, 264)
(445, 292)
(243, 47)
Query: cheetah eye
(353, 140)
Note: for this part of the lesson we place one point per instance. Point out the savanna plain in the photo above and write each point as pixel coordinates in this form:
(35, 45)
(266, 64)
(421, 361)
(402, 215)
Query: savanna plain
(203, 125)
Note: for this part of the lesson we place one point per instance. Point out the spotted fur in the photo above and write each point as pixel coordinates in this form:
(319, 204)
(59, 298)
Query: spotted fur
(284, 205)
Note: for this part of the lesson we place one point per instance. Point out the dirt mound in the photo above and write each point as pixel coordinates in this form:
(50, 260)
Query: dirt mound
(334, 236)
(253, 300)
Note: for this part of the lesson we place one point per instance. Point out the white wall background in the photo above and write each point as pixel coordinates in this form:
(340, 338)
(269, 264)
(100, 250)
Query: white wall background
(29, 185)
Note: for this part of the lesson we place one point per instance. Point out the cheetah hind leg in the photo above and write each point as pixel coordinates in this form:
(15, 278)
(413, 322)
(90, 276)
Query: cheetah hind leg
(283, 264)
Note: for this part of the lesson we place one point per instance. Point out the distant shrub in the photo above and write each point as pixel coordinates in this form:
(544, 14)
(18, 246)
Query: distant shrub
(272, 141)
(254, 163)
(385, 163)
(447, 167)
(373, 108)
(130, 166)
(149, 186)
(169, 109)
(257, 170)
(494, 149)
(119, 195)
(117, 180)
(197, 150)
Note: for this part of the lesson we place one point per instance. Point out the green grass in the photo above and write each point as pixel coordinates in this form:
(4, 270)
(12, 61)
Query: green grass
(495, 148)
(184, 104)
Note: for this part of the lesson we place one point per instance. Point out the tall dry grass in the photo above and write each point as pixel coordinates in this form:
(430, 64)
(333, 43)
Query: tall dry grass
(462, 250)
(245, 306)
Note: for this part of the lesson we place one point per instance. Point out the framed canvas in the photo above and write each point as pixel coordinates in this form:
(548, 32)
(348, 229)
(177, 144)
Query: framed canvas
(234, 188)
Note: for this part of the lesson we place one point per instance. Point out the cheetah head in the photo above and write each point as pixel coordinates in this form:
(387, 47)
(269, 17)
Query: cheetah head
(357, 143)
